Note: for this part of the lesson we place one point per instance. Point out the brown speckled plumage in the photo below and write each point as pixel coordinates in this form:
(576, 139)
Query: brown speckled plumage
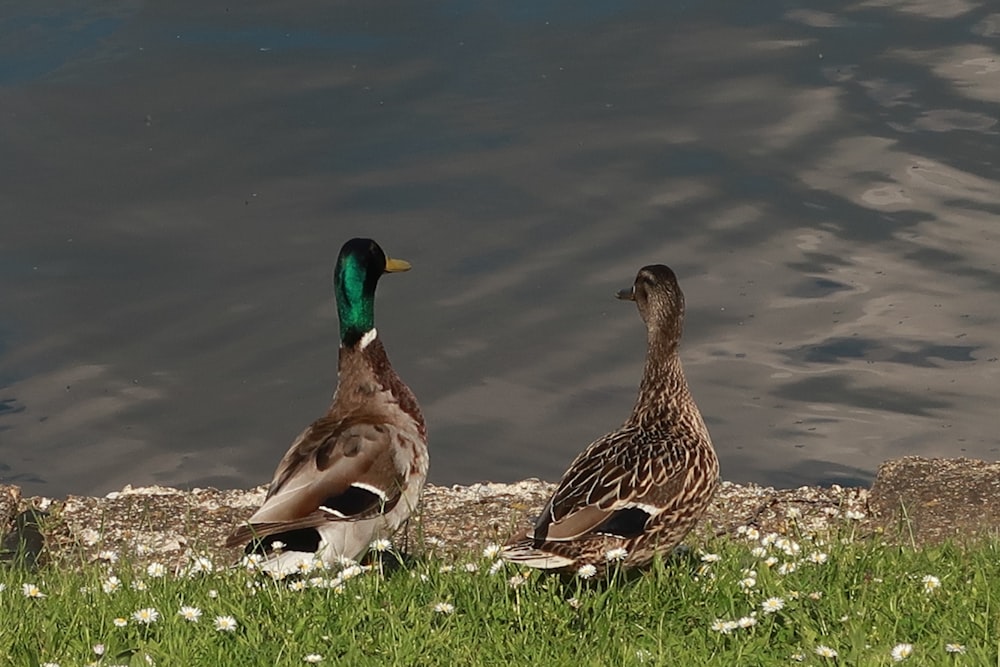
(642, 487)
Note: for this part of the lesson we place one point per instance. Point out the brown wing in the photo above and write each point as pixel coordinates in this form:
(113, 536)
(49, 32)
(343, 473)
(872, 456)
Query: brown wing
(341, 470)
(603, 486)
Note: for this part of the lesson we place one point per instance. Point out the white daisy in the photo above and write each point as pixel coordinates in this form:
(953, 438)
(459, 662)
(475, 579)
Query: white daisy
(901, 652)
(824, 651)
(313, 658)
(787, 568)
(772, 605)
(586, 571)
(32, 591)
(225, 623)
(954, 648)
(191, 614)
(380, 545)
(444, 608)
(617, 554)
(146, 616)
(931, 583)
(156, 570)
(491, 550)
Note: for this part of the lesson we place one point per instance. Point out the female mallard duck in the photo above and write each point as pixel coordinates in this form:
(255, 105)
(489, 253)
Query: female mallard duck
(355, 474)
(636, 491)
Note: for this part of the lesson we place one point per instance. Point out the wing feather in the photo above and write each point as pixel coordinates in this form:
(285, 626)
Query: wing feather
(607, 478)
(345, 466)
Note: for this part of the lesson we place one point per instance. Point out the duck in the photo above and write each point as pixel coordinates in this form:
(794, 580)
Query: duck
(637, 491)
(354, 475)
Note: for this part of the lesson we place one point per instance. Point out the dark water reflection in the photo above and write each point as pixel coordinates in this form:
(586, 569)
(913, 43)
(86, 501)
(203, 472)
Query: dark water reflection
(177, 180)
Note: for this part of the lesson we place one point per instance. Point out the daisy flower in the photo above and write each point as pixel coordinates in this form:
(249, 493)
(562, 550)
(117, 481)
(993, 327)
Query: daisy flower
(517, 580)
(772, 605)
(710, 558)
(617, 554)
(191, 614)
(444, 608)
(954, 648)
(725, 627)
(200, 565)
(108, 556)
(380, 545)
(818, 557)
(313, 658)
(825, 651)
(787, 568)
(111, 584)
(32, 591)
(586, 571)
(156, 570)
(120, 622)
(491, 550)
(931, 583)
(146, 616)
(225, 623)
(901, 652)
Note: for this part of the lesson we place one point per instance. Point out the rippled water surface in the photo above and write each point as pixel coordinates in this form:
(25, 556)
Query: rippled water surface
(178, 177)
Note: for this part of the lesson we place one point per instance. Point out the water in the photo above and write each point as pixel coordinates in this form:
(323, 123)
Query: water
(177, 180)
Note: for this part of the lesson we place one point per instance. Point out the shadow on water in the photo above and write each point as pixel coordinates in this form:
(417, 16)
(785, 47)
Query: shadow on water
(825, 185)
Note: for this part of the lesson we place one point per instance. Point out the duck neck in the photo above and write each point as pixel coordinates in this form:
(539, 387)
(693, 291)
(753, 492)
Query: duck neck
(663, 390)
(365, 370)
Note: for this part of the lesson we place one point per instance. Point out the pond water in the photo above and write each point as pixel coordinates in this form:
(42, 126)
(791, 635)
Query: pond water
(178, 177)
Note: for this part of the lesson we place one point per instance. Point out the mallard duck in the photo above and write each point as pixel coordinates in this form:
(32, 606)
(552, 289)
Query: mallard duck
(355, 474)
(638, 490)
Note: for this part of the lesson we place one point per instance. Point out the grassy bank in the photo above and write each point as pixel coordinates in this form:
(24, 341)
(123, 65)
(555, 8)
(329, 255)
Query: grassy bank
(747, 600)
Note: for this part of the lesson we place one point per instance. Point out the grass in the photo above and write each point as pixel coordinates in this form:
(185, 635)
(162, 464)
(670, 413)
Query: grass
(735, 602)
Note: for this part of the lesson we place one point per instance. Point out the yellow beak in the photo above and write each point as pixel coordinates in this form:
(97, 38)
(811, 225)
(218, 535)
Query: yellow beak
(396, 265)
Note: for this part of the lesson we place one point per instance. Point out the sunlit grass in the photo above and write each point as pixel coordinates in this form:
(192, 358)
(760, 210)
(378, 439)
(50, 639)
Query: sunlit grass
(748, 600)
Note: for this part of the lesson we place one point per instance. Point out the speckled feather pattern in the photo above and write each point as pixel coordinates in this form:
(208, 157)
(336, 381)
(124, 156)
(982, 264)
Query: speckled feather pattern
(642, 487)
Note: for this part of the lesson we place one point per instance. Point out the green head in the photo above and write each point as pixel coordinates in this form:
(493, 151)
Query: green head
(360, 264)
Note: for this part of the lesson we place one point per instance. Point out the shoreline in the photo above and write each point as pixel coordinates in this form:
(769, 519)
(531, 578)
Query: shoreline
(913, 500)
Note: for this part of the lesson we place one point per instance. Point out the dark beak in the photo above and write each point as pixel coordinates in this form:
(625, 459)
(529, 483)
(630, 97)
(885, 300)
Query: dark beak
(626, 294)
